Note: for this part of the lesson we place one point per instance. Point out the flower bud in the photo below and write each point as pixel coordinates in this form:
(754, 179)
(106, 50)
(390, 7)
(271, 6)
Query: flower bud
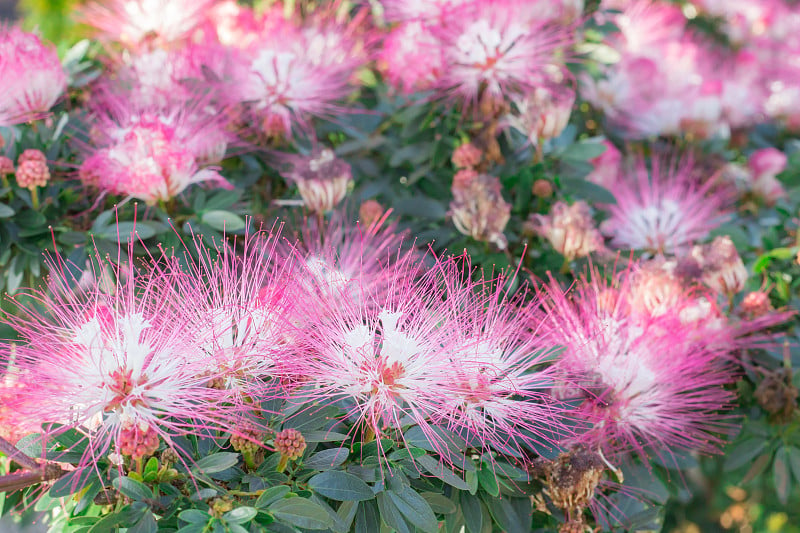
(542, 188)
(756, 304)
(370, 212)
(766, 164)
(32, 154)
(467, 156)
(723, 269)
(606, 166)
(32, 173)
(137, 440)
(322, 180)
(6, 165)
(478, 208)
(247, 439)
(290, 443)
(570, 229)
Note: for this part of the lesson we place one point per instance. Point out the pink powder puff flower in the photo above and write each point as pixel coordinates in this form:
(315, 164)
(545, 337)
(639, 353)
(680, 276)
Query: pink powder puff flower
(151, 155)
(606, 166)
(765, 164)
(231, 23)
(498, 374)
(492, 50)
(385, 353)
(31, 76)
(411, 57)
(341, 257)
(108, 365)
(406, 10)
(643, 386)
(134, 23)
(294, 72)
(239, 307)
(662, 211)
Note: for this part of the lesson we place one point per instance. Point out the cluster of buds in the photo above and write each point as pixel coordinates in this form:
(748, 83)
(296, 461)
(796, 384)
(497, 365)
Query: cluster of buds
(467, 156)
(722, 267)
(370, 212)
(137, 440)
(291, 444)
(569, 228)
(478, 208)
(32, 169)
(756, 304)
(247, 441)
(322, 180)
(6, 166)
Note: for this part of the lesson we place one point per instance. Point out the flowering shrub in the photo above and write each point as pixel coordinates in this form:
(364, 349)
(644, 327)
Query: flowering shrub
(454, 265)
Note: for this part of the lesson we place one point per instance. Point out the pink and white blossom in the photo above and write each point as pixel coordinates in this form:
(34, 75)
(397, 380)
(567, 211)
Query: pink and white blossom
(31, 76)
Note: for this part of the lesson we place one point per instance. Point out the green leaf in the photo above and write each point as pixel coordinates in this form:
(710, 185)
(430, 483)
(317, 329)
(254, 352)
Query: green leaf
(301, 512)
(147, 524)
(583, 151)
(135, 490)
(743, 453)
(391, 515)
(440, 503)
(223, 220)
(781, 476)
(124, 231)
(195, 516)
(488, 480)
(211, 464)
(442, 472)
(6, 211)
(587, 190)
(72, 482)
(421, 207)
(415, 509)
(340, 486)
(240, 515)
(150, 472)
(506, 517)
(368, 518)
(794, 461)
(475, 513)
(271, 495)
(323, 436)
(327, 459)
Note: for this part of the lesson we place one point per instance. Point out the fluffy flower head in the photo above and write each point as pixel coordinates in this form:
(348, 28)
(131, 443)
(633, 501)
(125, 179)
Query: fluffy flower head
(31, 76)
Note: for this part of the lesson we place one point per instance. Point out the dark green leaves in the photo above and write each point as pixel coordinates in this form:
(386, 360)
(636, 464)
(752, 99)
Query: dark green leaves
(340, 486)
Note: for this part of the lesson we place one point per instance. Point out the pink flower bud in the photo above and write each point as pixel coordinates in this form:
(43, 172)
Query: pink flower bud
(137, 440)
(570, 229)
(321, 178)
(466, 156)
(723, 269)
(756, 304)
(766, 164)
(606, 166)
(6, 166)
(290, 443)
(32, 154)
(31, 174)
(370, 212)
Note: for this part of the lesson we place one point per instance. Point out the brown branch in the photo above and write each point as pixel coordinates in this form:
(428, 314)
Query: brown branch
(17, 456)
(23, 479)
